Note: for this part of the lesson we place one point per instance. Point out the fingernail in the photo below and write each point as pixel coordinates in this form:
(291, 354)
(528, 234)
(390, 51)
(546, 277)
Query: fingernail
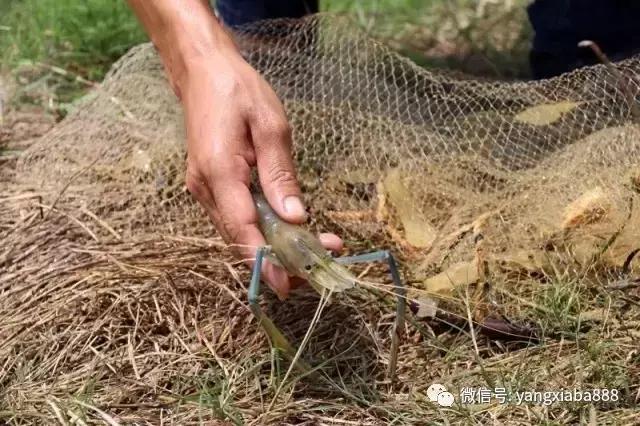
(294, 207)
(282, 293)
(281, 296)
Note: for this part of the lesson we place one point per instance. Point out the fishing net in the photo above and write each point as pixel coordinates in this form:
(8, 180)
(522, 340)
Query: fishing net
(389, 154)
(113, 277)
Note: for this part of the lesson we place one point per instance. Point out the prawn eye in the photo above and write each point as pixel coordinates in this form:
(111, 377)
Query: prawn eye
(308, 267)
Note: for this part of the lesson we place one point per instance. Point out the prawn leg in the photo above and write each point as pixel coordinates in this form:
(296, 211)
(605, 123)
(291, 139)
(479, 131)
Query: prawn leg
(400, 291)
(278, 340)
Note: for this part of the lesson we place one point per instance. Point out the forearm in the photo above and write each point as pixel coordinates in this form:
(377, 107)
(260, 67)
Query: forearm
(186, 34)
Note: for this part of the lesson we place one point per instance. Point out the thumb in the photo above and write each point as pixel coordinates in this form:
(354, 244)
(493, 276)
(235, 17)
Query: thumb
(278, 177)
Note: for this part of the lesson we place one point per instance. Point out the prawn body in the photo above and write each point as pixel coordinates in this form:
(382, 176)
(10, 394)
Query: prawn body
(299, 252)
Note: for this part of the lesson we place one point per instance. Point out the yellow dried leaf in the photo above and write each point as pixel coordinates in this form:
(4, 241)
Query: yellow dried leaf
(280, 342)
(418, 232)
(458, 275)
(427, 307)
(524, 261)
(590, 207)
(545, 114)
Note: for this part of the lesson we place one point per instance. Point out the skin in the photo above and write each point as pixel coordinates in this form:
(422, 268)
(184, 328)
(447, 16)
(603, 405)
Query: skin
(234, 122)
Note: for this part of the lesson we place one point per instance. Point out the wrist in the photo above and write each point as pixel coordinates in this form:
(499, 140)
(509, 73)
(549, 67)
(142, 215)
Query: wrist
(194, 42)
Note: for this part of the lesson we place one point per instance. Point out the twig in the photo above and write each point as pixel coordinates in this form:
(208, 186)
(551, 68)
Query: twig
(65, 73)
(101, 222)
(623, 285)
(635, 110)
(74, 219)
(323, 302)
(223, 287)
(75, 418)
(57, 412)
(107, 418)
(132, 359)
(471, 326)
(626, 267)
(69, 182)
(20, 197)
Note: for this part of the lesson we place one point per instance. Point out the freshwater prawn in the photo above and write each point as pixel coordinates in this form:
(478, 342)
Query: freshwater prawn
(302, 255)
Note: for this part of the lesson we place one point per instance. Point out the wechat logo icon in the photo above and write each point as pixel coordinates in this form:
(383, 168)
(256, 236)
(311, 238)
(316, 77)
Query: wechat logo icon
(438, 393)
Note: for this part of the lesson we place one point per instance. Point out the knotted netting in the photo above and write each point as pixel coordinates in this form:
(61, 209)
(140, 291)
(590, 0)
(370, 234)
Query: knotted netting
(113, 284)
(388, 153)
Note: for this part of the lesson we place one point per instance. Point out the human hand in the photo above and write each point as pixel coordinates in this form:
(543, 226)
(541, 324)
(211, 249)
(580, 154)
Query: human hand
(235, 122)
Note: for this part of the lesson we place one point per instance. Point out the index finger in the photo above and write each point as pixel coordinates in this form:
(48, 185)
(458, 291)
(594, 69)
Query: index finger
(239, 219)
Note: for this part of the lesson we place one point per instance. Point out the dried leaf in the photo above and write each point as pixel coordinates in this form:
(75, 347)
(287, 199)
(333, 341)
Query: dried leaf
(501, 329)
(418, 232)
(427, 307)
(525, 261)
(545, 114)
(593, 315)
(458, 275)
(590, 207)
(280, 342)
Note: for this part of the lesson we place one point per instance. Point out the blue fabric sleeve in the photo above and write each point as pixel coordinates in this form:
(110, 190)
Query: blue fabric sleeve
(238, 12)
(560, 25)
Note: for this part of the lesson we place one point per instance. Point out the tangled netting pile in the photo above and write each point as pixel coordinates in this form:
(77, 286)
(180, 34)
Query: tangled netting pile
(387, 152)
(114, 289)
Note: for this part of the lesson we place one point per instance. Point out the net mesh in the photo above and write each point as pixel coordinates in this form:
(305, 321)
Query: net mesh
(388, 154)
(113, 286)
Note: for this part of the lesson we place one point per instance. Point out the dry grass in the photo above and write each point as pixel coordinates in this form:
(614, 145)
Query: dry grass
(155, 329)
(109, 318)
